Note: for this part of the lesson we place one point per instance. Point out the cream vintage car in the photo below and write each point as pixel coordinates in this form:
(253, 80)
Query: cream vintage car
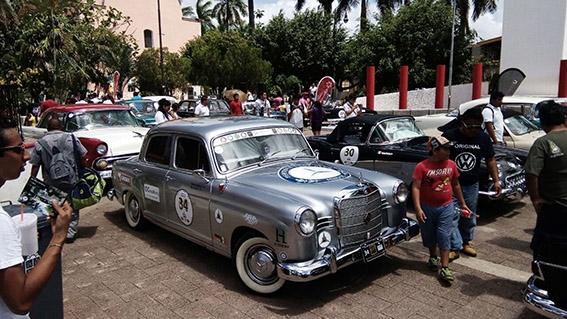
(251, 189)
(519, 131)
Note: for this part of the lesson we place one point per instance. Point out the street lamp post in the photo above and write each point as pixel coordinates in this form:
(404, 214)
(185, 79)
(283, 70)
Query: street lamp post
(160, 47)
(451, 54)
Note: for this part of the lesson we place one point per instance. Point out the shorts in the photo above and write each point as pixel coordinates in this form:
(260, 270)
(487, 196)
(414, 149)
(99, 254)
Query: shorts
(438, 226)
(316, 126)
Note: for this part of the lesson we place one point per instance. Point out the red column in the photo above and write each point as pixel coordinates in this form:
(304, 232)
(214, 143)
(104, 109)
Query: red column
(440, 86)
(562, 92)
(476, 81)
(370, 87)
(403, 87)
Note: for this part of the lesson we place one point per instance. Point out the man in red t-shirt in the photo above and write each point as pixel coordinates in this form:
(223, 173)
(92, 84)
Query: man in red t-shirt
(434, 181)
(49, 102)
(235, 105)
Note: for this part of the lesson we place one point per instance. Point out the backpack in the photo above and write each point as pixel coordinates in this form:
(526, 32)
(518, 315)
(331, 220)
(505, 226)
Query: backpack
(88, 189)
(62, 173)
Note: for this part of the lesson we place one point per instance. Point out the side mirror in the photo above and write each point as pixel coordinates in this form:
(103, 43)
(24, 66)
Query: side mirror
(200, 173)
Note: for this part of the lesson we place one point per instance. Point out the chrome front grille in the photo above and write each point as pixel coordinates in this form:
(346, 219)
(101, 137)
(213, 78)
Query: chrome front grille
(359, 217)
(516, 181)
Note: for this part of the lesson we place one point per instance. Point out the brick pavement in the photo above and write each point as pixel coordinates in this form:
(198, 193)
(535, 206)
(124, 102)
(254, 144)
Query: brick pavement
(112, 271)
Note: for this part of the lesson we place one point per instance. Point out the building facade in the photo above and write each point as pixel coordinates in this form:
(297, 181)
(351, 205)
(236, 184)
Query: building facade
(175, 29)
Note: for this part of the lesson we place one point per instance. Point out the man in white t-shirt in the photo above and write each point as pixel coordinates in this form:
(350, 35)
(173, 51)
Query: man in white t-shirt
(295, 112)
(19, 290)
(494, 119)
(351, 109)
(262, 106)
(202, 109)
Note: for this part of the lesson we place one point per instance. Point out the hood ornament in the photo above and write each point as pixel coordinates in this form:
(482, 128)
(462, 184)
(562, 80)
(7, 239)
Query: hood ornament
(360, 180)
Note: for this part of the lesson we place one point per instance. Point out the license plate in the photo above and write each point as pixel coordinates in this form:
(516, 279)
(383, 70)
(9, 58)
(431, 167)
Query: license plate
(105, 174)
(372, 250)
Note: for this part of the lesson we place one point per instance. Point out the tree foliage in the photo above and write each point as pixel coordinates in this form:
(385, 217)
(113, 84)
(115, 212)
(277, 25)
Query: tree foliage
(418, 36)
(60, 46)
(225, 60)
(306, 46)
(176, 70)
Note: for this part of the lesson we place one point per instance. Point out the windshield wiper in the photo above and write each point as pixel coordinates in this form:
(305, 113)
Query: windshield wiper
(267, 157)
(303, 150)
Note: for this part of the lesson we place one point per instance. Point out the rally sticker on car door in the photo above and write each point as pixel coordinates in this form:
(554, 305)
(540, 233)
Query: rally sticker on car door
(349, 155)
(183, 207)
(151, 192)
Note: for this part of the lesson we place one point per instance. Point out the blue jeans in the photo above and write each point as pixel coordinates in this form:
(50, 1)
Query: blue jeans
(463, 228)
(437, 227)
(73, 225)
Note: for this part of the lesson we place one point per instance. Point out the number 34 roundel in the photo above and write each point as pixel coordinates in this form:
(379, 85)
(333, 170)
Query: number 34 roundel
(349, 155)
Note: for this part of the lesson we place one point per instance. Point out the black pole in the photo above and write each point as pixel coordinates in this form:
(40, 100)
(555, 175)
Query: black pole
(160, 48)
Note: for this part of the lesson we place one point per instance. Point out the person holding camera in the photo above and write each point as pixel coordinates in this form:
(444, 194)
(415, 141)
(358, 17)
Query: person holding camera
(295, 112)
(20, 290)
(351, 109)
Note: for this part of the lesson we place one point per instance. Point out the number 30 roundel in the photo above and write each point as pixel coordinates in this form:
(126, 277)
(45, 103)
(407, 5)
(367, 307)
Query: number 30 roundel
(349, 155)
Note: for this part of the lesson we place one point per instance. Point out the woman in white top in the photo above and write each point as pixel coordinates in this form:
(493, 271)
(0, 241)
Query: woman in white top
(162, 114)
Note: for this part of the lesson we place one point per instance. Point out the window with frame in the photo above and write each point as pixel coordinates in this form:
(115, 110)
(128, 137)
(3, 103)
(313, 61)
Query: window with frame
(148, 39)
(191, 154)
(159, 150)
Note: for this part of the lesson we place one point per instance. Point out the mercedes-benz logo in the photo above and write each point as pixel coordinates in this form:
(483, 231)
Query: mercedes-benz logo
(367, 218)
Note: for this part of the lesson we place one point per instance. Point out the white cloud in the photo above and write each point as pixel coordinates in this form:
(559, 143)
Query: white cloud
(488, 26)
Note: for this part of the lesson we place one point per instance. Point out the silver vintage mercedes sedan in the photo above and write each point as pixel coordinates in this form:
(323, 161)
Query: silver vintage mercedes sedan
(252, 189)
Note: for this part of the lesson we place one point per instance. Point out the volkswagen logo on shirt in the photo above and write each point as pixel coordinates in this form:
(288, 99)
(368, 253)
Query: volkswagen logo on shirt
(465, 161)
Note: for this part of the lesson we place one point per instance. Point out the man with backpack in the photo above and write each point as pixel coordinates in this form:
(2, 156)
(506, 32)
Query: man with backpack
(60, 156)
(494, 119)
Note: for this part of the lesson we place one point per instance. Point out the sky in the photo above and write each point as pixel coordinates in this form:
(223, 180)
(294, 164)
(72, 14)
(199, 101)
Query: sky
(487, 26)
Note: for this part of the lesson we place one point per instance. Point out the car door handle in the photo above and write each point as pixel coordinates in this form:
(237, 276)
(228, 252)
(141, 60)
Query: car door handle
(169, 178)
(136, 171)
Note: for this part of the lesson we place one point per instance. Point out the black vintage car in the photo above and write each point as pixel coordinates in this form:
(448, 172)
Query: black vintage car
(394, 144)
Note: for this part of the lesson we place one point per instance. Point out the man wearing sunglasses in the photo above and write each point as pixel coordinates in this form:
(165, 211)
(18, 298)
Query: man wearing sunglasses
(18, 290)
(471, 145)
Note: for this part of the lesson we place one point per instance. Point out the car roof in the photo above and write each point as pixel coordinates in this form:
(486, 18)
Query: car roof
(210, 127)
(79, 107)
(513, 99)
(361, 120)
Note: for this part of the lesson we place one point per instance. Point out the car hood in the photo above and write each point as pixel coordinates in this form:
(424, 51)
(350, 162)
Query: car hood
(308, 182)
(120, 140)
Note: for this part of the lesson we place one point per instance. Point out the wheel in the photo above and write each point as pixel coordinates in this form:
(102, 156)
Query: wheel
(133, 212)
(255, 263)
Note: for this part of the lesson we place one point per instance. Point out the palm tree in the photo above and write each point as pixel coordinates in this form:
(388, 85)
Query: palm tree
(251, 22)
(205, 14)
(230, 12)
(325, 5)
(479, 7)
(187, 11)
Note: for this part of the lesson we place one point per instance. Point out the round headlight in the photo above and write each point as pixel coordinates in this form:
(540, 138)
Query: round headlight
(305, 222)
(400, 192)
(101, 149)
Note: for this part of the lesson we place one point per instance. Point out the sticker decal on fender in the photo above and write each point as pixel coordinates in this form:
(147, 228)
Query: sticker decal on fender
(151, 192)
(184, 207)
(349, 155)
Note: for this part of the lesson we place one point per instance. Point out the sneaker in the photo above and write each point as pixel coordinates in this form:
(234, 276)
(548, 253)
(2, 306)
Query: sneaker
(454, 254)
(433, 263)
(468, 250)
(446, 274)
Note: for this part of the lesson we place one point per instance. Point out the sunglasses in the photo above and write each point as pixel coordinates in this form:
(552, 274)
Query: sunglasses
(19, 149)
(472, 126)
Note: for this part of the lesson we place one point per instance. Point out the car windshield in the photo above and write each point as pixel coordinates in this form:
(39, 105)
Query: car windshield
(244, 148)
(141, 107)
(89, 120)
(519, 125)
(400, 128)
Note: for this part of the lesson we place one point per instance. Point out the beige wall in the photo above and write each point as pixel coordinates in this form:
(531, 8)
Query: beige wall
(176, 30)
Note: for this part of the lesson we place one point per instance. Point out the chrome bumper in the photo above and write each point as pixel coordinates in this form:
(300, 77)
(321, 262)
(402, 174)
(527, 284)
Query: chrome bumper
(331, 261)
(537, 300)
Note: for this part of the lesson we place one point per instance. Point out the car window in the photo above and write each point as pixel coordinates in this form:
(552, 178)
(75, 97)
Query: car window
(191, 154)
(50, 115)
(400, 128)
(187, 106)
(159, 150)
(519, 125)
